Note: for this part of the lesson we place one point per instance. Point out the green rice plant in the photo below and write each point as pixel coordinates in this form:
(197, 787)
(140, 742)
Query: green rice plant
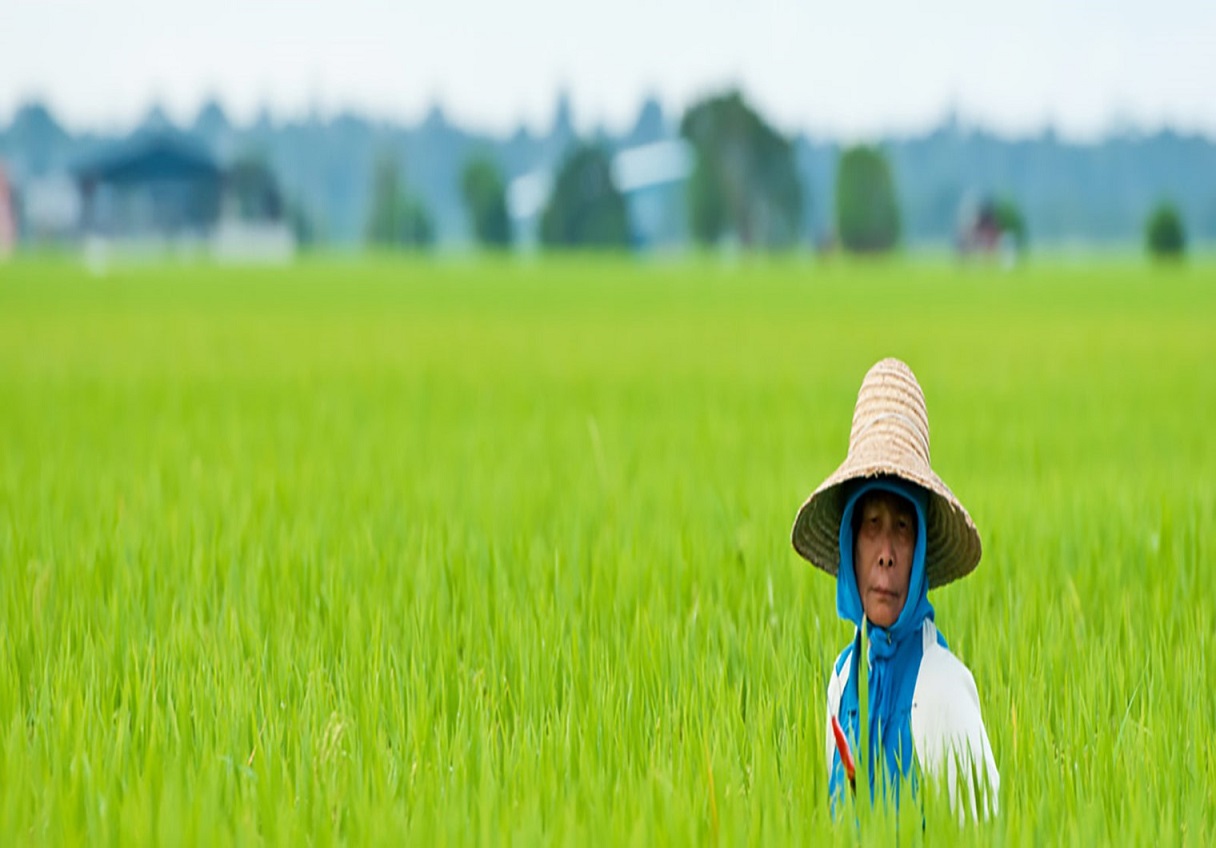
(498, 552)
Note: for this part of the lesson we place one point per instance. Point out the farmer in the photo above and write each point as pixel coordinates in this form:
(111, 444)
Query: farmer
(887, 527)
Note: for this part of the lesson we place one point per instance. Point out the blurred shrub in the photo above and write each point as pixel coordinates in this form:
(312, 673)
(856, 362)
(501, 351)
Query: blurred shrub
(485, 199)
(1164, 235)
(1009, 220)
(585, 208)
(745, 181)
(867, 215)
(397, 218)
(253, 189)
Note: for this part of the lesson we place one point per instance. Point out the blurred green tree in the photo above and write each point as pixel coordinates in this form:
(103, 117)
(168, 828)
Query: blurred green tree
(485, 198)
(744, 183)
(253, 190)
(867, 213)
(1009, 219)
(585, 208)
(397, 218)
(1164, 234)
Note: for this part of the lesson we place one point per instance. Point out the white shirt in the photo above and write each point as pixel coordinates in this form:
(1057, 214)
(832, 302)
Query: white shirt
(947, 728)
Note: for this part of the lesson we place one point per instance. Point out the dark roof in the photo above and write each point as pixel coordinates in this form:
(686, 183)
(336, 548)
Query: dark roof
(147, 158)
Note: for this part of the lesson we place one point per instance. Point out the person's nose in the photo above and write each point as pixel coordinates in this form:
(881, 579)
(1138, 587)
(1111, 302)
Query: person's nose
(886, 551)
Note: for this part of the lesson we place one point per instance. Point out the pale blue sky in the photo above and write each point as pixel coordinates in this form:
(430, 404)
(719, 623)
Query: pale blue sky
(850, 69)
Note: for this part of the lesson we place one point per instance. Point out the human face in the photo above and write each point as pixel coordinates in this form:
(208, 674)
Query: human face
(884, 540)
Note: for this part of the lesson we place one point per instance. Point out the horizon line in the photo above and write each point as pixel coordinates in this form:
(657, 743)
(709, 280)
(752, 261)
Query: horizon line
(1117, 128)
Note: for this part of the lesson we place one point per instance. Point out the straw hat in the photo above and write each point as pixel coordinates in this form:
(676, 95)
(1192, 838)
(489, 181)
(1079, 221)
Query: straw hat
(890, 436)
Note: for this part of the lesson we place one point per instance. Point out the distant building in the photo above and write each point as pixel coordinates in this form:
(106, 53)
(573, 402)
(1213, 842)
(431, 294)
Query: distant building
(988, 232)
(652, 177)
(156, 189)
(253, 222)
(979, 229)
(161, 190)
(50, 209)
(8, 216)
(527, 195)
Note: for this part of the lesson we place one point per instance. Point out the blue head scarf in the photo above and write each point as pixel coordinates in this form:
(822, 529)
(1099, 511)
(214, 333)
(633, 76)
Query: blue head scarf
(895, 652)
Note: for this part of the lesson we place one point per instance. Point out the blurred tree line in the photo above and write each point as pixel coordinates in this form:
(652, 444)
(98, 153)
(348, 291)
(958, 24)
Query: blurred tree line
(749, 184)
(744, 189)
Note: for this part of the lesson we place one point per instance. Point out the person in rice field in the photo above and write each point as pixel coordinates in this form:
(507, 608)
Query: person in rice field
(889, 530)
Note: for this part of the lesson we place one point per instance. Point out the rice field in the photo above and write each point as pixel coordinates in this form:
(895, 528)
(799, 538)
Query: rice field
(456, 552)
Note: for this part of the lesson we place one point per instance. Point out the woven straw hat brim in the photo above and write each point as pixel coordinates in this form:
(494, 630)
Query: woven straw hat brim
(952, 542)
(890, 437)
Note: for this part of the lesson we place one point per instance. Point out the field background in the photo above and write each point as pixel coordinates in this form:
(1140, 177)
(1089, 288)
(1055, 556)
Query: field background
(499, 551)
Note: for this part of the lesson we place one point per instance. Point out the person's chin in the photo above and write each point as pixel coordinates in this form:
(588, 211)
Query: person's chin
(886, 610)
